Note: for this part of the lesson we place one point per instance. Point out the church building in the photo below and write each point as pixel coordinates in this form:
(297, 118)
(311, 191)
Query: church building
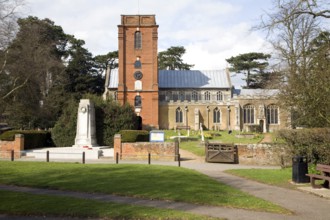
(170, 99)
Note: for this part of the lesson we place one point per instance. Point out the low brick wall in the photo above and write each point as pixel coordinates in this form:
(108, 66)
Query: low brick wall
(7, 146)
(158, 150)
(263, 154)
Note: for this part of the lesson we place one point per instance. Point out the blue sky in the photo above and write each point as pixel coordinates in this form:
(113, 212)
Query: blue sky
(210, 30)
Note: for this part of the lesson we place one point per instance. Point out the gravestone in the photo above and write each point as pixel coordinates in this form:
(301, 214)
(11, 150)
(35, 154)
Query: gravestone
(86, 135)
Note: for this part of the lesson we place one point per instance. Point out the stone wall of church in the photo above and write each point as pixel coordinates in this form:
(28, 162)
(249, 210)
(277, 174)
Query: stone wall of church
(260, 114)
(195, 114)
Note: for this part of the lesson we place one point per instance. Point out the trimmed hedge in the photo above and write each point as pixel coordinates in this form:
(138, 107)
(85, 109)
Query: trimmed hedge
(134, 136)
(32, 139)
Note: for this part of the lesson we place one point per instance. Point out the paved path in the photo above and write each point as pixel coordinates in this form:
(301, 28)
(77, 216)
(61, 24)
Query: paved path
(303, 205)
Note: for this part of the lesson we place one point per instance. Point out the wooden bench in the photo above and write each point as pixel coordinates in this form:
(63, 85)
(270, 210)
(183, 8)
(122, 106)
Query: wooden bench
(183, 127)
(325, 175)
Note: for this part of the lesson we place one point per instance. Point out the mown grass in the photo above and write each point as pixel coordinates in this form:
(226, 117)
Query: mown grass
(25, 204)
(277, 177)
(153, 182)
(220, 136)
(195, 147)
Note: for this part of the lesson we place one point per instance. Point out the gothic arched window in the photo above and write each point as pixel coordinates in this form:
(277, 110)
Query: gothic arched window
(248, 114)
(219, 96)
(216, 115)
(138, 40)
(178, 115)
(194, 96)
(272, 114)
(207, 96)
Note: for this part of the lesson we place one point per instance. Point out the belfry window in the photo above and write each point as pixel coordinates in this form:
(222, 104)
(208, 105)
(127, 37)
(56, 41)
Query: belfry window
(178, 115)
(248, 114)
(137, 101)
(138, 40)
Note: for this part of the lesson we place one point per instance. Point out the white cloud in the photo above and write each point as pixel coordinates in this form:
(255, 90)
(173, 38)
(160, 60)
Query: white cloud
(210, 30)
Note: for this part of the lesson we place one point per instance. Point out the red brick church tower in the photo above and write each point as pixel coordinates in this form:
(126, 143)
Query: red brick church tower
(138, 67)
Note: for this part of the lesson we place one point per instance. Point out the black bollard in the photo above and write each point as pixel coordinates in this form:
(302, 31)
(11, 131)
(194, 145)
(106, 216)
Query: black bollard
(179, 160)
(12, 156)
(149, 158)
(117, 157)
(47, 156)
(83, 157)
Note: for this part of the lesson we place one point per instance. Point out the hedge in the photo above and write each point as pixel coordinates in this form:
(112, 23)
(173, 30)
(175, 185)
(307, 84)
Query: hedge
(134, 135)
(32, 139)
(313, 143)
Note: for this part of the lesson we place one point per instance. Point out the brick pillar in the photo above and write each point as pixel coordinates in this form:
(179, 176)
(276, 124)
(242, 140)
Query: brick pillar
(19, 142)
(16, 145)
(117, 145)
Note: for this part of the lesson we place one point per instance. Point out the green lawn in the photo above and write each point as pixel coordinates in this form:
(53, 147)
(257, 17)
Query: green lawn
(221, 136)
(195, 147)
(24, 204)
(278, 177)
(144, 181)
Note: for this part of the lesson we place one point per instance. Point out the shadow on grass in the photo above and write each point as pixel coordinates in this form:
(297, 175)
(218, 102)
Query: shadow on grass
(141, 181)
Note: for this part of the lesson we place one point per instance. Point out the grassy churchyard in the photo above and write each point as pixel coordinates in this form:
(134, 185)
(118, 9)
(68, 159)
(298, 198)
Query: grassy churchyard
(139, 181)
(195, 146)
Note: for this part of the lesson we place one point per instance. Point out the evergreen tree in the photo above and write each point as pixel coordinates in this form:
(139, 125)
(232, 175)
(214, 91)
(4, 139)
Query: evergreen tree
(81, 72)
(171, 59)
(253, 65)
(110, 119)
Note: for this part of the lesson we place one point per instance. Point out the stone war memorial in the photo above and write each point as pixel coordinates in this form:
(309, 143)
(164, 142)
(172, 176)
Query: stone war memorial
(85, 141)
(86, 131)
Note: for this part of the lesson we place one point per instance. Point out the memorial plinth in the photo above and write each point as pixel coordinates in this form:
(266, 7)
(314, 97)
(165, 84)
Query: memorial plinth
(86, 134)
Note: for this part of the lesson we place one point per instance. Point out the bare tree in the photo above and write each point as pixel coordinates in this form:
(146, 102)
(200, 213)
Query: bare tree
(9, 10)
(315, 8)
(291, 31)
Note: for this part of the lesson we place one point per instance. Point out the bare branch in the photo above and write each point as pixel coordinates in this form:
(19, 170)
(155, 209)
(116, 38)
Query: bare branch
(4, 62)
(324, 13)
(14, 89)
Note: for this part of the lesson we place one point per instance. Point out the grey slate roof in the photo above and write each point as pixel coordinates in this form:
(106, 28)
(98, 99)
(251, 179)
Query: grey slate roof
(193, 79)
(256, 92)
(184, 79)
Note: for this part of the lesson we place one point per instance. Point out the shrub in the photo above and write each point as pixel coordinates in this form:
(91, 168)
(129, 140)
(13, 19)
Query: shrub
(134, 136)
(313, 143)
(255, 128)
(110, 118)
(64, 131)
(32, 139)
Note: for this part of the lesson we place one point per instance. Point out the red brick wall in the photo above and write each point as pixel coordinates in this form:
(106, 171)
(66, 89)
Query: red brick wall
(7, 146)
(148, 54)
(140, 150)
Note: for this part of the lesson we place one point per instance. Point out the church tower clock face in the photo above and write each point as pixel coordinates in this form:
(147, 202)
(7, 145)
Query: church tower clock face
(138, 75)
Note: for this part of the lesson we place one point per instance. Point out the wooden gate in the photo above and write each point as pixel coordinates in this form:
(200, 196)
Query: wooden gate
(221, 153)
